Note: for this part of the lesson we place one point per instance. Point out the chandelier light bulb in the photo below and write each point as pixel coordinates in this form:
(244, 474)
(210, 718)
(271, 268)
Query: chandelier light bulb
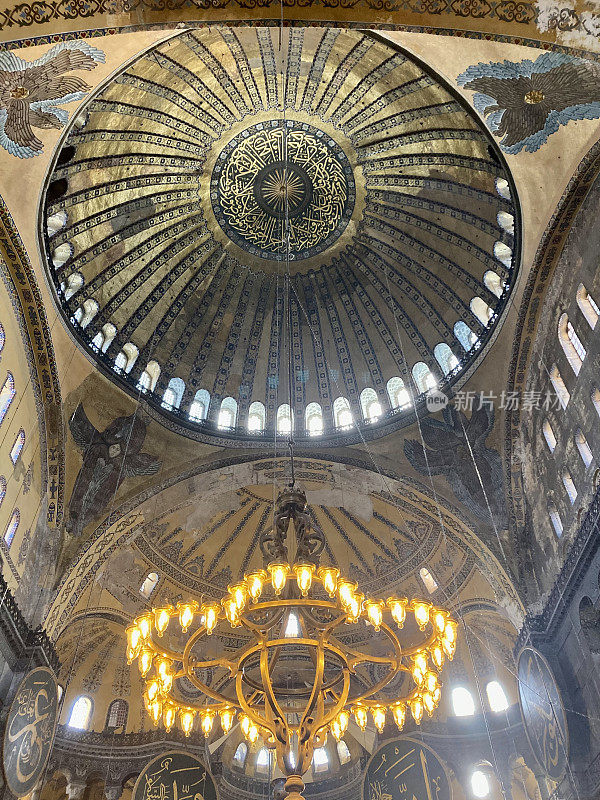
(346, 591)
(210, 612)
(416, 709)
(304, 577)
(169, 713)
(429, 703)
(186, 614)
(152, 690)
(378, 714)
(421, 611)
(134, 641)
(254, 583)
(161, 619)
(231, 609)
(361, 716)
(145, 661)
(144, 624)
(339, 725)
(240, 594)
(355, 608)
(156, 711)
(420, 661)
(186, 718)
(431, 682)
(450, 632)
(374, 609)
(226, 715)
(437, 696)
(439, 621)
(437, 656)
(207, 722)
(399, 713)
(397, 607)
(449, 648)
(279, 574)
(329, 578)
(252, 733)
(245, 723)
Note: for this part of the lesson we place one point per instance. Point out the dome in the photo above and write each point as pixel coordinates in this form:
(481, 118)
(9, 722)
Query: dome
(218, 170)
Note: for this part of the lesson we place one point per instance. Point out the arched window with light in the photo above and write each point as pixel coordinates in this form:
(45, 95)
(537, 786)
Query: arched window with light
(506, 222)
(480, 785)
(126, 358)
(227, 413)
(173, 394)
(496, 696)
(423, 377)
(199, 406)
(90, 309)
(2, 489)
(263, 761)
(587, 306)
(313, 419)
(320, 761)
(549, 436)
(149, 584)
(465, 335)
(240, 755)
(370, 405)
(18, 446)
(503, 188)
(342, 415)
(571, 344)
(445, 357)
(493, 282)
(149, 377)
(569, 486)
(117, 714)
(6, 394)
(256, 417)
(482, 311)
(428, 580)
(72, 285)
(2, 337)
(398, 393)
(11, 528)
(343, 752)
(285, 418)
(555, 519)
(503, 253)
(583, 448)
(81, 714)
(463, 704)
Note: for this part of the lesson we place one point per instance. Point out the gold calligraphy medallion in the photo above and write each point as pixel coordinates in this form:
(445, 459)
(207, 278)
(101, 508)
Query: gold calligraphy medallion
(282, 188)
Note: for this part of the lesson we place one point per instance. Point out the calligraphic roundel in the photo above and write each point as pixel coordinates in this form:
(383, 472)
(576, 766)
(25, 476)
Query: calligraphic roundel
(406, 769)
(29, 730)
(175, 775)
(543, 712)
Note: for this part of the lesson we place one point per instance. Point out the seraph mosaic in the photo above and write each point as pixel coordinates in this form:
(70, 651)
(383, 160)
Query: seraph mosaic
(109, 457)
(451, 448)
(30, 92)
(525, 102)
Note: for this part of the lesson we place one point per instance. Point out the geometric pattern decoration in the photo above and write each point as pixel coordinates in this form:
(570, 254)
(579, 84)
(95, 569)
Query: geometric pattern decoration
(394, 210)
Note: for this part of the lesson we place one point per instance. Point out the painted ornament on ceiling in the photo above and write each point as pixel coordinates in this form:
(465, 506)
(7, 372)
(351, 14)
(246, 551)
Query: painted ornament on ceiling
(525, 102)
(451, 447)
(31, 91)
(109, 457)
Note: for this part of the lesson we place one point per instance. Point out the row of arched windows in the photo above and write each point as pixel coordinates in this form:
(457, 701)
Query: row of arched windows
(463, 703)
(575, 353)
(264, 758)
(82, 709)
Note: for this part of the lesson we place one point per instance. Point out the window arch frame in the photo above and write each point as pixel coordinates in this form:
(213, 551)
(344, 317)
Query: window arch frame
(496, 696)
(201, 399)
(396, 388)
(313, 411)
(583, 448)
(117, 703)
(341, 409)
(18, 445)
(570, 342)
(587, 305)
(152, 583)
(257, 411)
(424, 379)
(468, 707)
(549, 435)
(11, 527)
(228, 406)
(90, 711)
(369, 399)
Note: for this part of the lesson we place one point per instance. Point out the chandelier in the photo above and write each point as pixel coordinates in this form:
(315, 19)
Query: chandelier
(286, 650)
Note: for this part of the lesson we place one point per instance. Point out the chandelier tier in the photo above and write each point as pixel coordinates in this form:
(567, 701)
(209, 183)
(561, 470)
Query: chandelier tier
(304, 668)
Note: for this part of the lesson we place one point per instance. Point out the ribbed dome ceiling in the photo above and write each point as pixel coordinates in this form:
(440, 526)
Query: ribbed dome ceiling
(184, 181)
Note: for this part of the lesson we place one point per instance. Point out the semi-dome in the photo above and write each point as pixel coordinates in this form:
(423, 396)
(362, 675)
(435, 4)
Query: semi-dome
(219, 170)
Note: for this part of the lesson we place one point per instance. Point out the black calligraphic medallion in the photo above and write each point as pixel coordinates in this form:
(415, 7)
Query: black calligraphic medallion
(175, 775)
(543, 712)
(406, 769)
(29, 730)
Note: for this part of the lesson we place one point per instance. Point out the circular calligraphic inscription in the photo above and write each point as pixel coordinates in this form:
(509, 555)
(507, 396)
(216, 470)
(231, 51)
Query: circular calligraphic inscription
(406, 769)
(543, 712)
(175, 775)
(278, 180)
(30, 730)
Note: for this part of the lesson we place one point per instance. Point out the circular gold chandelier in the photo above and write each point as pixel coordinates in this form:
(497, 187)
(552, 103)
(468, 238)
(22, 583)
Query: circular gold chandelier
(297, 676)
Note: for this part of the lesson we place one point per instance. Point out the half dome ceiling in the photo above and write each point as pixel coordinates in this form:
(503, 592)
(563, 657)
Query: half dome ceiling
(219, 162)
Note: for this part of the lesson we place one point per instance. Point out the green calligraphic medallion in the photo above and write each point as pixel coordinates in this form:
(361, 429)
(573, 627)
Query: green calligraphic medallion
(406, 769)
(175, 775)
(29, 730)
(543, 712)
(283, 187)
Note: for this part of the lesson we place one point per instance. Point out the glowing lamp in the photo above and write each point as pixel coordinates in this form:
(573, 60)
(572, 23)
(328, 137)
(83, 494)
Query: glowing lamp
(431, 681)
(245, 723)
(420, 661)
(399, 713)
(437, 655)
(397, 607)
(134, 641)
(232, 611)
(152, 690)
(437, 695)
(144, 624)
(355, 608)
(346, 591)
(374, 609)
(169, 713)
(304, 576)
(329, 578)
(339, 726)
(161, 619)
(449, 648)
(254, 583)
(206, 722)
(186, 718)
(210, 612)
(239, 593)
(378, 714)
(186, 614)
(416, 709)
(429, 703)
(450, 631)
(361, 716)
(145, 661)
(252, 733)
(421, 611)
(439, 621)
(156, 711)
(279, 574)
(226, 715)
